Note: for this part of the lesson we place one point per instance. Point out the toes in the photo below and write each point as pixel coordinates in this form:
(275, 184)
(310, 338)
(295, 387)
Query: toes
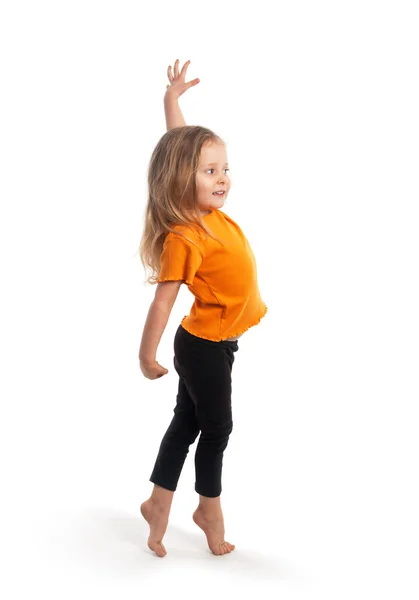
(223, 548)
(163, 550)
(228, 547)
(160, 550)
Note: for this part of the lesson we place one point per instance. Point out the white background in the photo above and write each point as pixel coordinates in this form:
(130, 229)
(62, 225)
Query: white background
(318, 105)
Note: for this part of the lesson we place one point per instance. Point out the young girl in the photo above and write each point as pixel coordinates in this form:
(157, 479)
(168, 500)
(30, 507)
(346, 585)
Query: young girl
(188, 239)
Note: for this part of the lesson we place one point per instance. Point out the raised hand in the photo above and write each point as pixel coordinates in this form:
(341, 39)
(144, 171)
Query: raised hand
(177, 81)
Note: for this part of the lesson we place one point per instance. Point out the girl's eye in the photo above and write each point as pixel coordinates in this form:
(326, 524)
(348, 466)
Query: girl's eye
(214, 170)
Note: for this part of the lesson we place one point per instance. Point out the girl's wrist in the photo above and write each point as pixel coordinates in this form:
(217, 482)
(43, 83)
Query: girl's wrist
(172, 111)
(171, 96)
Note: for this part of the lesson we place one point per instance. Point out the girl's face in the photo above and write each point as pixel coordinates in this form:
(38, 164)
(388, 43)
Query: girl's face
(212, 176)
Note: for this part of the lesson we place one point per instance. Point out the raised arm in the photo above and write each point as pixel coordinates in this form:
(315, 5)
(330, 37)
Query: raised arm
(174, 117)
(177, 87)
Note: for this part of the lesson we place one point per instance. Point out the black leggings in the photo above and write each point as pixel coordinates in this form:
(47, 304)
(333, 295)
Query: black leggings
(203, 405)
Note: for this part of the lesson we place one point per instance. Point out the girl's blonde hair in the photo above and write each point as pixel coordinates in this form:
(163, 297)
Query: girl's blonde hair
(172, 193)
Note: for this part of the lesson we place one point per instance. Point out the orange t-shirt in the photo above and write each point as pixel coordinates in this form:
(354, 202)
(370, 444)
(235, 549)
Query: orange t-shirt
(223, 279)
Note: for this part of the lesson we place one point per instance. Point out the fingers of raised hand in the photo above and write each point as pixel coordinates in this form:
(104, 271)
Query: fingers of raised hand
(176, 70)
(185, 68)
(174, 78)
(169, 73)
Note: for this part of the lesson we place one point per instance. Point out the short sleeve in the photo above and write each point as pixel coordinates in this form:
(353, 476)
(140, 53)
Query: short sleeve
(179, 260)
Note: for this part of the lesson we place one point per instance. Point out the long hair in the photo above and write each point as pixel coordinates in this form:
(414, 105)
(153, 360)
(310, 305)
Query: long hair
(172, 192)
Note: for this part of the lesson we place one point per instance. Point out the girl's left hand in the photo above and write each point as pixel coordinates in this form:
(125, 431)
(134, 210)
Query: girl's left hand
(177, 81)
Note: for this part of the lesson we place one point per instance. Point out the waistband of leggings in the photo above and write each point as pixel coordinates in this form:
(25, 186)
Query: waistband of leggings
(228, 343)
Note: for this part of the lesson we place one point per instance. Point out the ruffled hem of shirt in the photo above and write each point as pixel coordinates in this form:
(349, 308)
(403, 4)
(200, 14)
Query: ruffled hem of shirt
(183, 280)
(232, 334)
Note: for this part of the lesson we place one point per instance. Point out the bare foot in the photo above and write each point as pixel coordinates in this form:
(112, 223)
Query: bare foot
(213, 527)
(158, 520)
